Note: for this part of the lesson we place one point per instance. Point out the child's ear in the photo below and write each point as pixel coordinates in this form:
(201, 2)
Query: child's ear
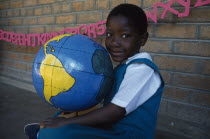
(144, 38)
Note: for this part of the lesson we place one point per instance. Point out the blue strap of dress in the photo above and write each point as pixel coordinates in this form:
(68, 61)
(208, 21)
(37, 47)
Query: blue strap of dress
(120, 72)
(147, 62)
(142, 120)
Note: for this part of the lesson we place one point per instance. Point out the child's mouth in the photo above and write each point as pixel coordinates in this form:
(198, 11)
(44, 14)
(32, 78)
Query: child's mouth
(115, 53)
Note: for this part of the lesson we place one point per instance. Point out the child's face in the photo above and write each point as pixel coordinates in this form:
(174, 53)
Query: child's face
(122, 40)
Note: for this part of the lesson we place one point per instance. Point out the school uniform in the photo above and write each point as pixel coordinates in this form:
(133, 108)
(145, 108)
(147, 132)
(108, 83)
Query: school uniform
(138, 87)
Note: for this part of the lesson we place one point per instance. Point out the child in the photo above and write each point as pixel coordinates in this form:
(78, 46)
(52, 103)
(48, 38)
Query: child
(130, 110)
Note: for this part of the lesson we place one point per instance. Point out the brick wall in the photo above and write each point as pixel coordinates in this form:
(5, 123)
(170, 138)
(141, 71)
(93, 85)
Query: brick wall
(179, 46)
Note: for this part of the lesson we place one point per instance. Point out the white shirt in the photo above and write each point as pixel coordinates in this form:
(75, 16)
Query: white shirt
(139, 84)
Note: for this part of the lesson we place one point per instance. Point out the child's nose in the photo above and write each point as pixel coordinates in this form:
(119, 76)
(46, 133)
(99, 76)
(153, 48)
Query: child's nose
(116, 41)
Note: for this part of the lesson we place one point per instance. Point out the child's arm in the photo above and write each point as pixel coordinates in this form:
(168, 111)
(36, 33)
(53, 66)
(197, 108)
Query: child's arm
(109, 114)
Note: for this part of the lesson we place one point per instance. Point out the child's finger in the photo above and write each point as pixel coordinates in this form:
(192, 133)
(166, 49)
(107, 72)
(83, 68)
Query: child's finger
(41, 125)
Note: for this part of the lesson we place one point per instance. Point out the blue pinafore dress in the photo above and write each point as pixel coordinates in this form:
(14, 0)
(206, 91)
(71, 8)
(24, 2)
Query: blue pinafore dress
(139, 124)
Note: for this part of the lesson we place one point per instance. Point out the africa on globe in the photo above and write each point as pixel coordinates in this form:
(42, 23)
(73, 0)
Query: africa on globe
(72, 72)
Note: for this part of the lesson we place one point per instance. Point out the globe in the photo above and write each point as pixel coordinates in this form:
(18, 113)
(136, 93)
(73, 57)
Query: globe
(72, 72)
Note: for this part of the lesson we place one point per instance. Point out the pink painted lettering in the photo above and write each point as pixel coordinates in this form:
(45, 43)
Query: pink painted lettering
(13, 38)
(21, 39)
(167, 8)
(201, 3)
(100, 28)
(31, 39)
(154, 15)
(92, 30)
(75, 30)
(83, 30)
(1, 34)
(187, 8)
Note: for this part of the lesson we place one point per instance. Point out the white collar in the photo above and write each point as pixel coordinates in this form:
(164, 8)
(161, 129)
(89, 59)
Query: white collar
(138, 55)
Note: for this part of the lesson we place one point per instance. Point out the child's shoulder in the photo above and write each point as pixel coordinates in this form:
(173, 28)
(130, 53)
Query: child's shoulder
(142, 55)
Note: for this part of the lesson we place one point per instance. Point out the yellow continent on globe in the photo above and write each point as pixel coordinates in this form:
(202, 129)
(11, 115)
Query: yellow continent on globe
(56, 79)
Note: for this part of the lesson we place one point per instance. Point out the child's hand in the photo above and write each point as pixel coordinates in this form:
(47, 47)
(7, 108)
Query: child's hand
(53, 122)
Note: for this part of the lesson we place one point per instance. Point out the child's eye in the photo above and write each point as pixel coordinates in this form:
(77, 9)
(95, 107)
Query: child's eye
(125, 36)
(108, 34)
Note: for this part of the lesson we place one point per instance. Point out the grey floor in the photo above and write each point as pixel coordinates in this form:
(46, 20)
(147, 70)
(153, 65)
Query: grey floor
(19, 107)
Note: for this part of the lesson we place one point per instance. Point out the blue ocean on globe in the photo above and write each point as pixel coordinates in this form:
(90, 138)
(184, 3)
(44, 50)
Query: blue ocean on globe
(72, 72)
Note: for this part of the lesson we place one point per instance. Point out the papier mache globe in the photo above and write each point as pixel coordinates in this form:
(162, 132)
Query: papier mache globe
(72, 72)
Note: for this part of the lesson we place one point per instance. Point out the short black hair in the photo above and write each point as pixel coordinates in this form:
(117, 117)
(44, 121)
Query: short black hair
(135, 15)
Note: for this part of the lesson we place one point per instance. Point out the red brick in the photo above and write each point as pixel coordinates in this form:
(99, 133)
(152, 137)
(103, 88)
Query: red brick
(29, 21)
(28, 58)
(10, 13)
(99, 40)
(23, 12)
(66, 7)
(16, 4)
(206, 67)
(9, 29)
(149, 3)
(2, 54)
(25, 49)
(66, 19)
(46, 20)
(103, 42)
(4, 5)
(150, 30)
(29, 67)
(5, 46)
(37, 11)
(176, 94)
(3, 14)
(105, 15)
(7, 63)
(16, 12)
(192, 48)
(47, 10)
(114, 3)
(89, 17)
(89, 5)
(176, 31)
(32, 50)
(77, 6)
(167, 18)
(174, 63)
(135, 2)
(36, 29)
(163, 107)
(195, 15)
(192, 81)
(56, 8)
(156, 46)
(167, 76)
(102, 4)
(20, 66)
(15, 21)
(177, 4)
(54, 29)
(200, 98)
(12, 56)
(30, 2)
(205, 32)
(46, 1)
(30, 12)
(23, 30)
(190, 96)
(188, 112)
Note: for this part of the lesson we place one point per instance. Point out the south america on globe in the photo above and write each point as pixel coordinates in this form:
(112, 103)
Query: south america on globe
(72, 72)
